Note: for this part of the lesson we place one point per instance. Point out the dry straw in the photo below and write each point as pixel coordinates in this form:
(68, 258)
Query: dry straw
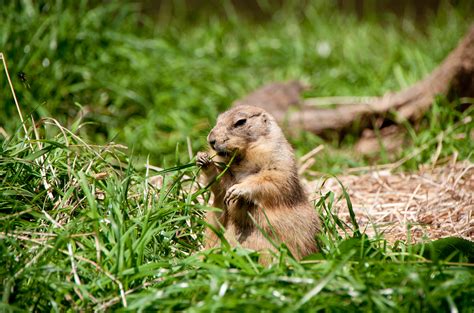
(434, 202)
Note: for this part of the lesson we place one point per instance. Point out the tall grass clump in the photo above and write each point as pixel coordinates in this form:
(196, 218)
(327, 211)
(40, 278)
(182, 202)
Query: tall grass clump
(78, 222)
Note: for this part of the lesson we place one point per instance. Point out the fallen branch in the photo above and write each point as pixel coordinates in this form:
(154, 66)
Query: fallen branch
(454, 76)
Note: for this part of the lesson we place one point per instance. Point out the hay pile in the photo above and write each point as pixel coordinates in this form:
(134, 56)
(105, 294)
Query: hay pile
(431, 203)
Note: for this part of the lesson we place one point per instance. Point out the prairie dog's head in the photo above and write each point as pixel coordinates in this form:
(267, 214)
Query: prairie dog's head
(238, 128)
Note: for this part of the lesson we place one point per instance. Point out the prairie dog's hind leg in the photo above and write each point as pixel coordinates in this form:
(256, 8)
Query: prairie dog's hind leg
(258, 242)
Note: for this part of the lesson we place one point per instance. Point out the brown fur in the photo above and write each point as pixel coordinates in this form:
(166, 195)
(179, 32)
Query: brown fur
(261, 182)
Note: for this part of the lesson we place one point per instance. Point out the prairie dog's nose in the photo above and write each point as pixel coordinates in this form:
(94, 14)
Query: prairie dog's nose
(212, 143)
(212, 140)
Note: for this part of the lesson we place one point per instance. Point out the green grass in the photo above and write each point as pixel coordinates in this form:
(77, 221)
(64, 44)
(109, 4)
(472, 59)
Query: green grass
(107, 230)
(100, 235)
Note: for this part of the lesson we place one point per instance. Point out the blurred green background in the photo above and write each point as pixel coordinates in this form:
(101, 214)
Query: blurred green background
(150, 74)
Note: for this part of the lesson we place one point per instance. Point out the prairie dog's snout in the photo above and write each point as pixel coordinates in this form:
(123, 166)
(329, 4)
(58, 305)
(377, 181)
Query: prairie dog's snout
(217, 142)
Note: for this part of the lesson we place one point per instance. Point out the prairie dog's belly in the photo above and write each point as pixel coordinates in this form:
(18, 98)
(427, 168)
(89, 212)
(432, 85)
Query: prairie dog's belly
(242, 220)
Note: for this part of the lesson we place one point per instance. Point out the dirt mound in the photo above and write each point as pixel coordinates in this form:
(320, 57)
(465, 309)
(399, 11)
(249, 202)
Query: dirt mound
(431, 203)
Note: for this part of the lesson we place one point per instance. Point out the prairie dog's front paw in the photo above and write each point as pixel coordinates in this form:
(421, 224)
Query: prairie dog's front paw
(203, 159)
(237, 191)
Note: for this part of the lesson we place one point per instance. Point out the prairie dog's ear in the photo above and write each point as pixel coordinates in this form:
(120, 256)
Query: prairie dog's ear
(265, 118)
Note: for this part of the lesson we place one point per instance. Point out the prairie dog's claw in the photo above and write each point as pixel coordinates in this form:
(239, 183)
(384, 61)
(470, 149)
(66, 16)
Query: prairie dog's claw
(235, 193)
(203, 159)
(230, 198)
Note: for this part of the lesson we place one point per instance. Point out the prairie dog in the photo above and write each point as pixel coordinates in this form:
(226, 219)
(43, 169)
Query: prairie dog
(261, 187)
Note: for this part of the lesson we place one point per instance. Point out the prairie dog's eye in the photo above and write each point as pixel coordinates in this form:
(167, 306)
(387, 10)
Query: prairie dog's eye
(240, 122)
